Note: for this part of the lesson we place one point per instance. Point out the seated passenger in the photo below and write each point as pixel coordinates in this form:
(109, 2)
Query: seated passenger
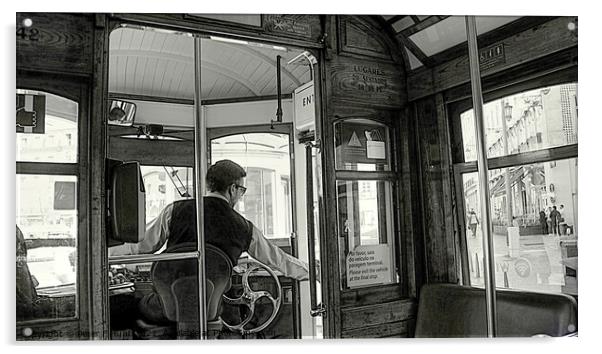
(29, 304)
(224, 228)
(26, 287)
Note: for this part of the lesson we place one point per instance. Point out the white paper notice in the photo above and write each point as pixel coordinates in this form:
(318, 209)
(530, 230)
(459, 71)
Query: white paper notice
(368, 265)
(375, 149)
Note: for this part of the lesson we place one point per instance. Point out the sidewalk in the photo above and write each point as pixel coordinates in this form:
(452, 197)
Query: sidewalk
(537, 264)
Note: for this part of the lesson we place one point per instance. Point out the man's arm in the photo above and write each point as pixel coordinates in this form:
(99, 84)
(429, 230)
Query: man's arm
(154, 238)
(272, 256)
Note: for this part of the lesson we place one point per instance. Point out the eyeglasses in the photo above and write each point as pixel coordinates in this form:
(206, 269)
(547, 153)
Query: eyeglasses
(243, 189)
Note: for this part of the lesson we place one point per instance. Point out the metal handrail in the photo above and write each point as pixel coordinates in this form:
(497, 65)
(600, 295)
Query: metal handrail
(144, 258)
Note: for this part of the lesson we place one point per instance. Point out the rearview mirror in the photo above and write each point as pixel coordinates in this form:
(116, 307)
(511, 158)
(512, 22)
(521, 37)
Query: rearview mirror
(121, 113)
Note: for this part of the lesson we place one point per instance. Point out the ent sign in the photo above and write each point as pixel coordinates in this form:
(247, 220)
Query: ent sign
(305, 107)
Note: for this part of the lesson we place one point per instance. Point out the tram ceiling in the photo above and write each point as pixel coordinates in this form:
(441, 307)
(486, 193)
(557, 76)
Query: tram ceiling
(159, 63)
(154, 63)
(432, 40)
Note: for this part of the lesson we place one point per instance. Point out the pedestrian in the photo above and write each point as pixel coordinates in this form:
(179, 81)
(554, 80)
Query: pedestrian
(554, 217)
(548, 212)
(473, 221)
(561, 222)
(543, 222)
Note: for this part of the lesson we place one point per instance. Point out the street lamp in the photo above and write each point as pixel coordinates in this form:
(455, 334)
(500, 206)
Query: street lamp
(507, 112)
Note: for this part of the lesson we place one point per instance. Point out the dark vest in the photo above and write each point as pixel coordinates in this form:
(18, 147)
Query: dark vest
(224, 227)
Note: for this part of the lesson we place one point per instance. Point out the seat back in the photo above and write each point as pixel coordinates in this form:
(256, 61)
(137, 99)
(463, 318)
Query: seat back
(176, 282)
(449, 310)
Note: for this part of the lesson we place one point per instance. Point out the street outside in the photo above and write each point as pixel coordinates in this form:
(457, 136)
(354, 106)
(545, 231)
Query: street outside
(535, 265)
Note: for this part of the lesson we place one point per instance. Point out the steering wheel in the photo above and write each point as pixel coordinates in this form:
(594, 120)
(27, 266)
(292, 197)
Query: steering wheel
(249, 297)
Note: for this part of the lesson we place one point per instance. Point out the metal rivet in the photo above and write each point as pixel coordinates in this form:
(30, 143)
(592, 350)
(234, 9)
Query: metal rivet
(27, 332)
(571, 26)
(571, 328)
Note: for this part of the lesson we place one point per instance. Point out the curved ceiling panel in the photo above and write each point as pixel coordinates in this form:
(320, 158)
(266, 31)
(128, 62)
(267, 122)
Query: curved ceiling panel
(159, 63)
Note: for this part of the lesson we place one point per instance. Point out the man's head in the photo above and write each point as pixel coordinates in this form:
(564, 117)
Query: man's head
(226, 178)
(116, 114)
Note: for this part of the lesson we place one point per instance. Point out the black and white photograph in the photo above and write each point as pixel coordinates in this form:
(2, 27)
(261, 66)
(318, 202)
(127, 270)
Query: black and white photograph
(317, 176)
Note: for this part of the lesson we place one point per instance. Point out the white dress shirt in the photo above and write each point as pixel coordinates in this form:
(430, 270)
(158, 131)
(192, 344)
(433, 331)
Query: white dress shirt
(260, 248)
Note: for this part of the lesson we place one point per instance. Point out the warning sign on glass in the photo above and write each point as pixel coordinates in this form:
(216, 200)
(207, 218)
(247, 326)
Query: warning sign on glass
(369, 265)
(30, 113)
(361, 144)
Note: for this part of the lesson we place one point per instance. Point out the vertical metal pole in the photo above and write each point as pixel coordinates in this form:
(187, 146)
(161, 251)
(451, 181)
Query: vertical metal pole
(477, 102)
(200, 164)
(279, 87)
(507, 181)
(309, 194)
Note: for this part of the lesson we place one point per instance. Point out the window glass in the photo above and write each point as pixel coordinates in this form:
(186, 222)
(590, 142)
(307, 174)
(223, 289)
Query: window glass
(365, 228)
(528, 121)
(266, 159)
(535, 232)
(46, 127)
(361, 145)
(46, 219)
(164, 185)
(257, 204)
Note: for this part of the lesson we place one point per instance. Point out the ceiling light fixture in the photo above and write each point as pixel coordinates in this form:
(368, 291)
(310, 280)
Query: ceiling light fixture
(228, 40)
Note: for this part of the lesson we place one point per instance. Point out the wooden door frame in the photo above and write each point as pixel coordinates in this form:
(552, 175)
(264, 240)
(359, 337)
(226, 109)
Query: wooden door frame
(281, 128)
(75, 89)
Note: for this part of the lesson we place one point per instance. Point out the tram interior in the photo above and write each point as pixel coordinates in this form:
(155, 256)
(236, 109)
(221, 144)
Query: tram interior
(250, 92)
(240, 93)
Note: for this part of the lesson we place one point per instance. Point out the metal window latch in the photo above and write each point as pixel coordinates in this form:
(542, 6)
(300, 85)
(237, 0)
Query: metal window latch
(316, 145)
(319, 311)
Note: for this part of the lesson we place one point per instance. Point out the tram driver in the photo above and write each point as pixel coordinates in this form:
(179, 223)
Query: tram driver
(224, 228)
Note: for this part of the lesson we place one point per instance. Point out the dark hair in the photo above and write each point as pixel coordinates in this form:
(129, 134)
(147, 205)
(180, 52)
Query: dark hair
(222, 174)
(116, 113)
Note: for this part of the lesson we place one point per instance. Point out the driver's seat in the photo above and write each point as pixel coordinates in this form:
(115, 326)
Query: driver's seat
(176, 282)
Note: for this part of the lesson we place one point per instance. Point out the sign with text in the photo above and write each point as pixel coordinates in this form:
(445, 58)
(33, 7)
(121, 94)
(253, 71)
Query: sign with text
(305, 106)
(299, 25)
(369, 265)
(492, 56)
(30, 113)
(367, 82)
(361, 142)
